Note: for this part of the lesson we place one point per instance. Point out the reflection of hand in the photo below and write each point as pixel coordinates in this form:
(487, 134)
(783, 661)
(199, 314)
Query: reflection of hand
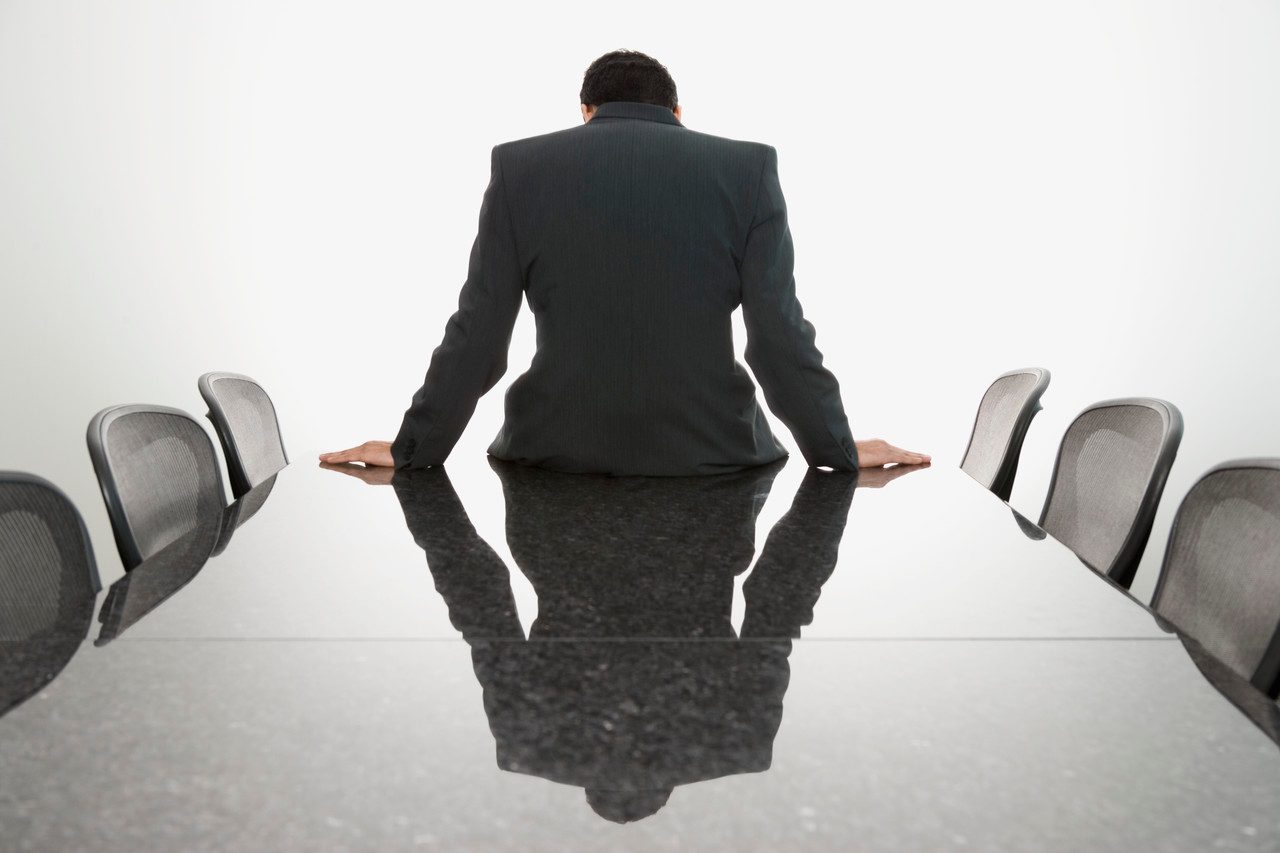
(370, 453)
(876, 452)
(373, 475)
(878, 478)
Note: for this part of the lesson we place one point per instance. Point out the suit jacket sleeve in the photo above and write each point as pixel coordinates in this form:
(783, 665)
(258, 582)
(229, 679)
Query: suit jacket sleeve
(473, 355)
(781, 345)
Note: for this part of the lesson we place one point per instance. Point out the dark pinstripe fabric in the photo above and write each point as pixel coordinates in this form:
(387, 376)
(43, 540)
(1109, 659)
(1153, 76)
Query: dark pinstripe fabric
(634, 239)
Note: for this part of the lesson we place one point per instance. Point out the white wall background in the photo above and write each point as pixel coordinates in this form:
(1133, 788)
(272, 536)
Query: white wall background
(290, 190)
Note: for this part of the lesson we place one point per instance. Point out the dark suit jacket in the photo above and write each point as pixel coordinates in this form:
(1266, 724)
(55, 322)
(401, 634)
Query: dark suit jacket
(634, 239)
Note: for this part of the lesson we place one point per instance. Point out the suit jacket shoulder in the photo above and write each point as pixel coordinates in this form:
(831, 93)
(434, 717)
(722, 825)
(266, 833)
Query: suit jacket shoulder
(724, 173)
(732, 151)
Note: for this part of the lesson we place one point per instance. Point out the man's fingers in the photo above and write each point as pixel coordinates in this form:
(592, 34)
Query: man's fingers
(876, 453)
(370, 453)
(909, 457)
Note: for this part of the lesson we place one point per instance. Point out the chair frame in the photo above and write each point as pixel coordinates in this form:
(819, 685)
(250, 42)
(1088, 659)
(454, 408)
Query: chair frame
(130, 552)
(1002, 483)
(240, 484)
(1267, 675)
(1125, 564)
(22, 477)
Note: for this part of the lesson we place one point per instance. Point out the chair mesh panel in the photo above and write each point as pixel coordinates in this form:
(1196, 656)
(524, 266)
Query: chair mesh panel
(48, 587)
(251, 418)
(46, 574)
(167, 475)
(996, 424)
(29, 570)
(1105, 466)
(1221, 576)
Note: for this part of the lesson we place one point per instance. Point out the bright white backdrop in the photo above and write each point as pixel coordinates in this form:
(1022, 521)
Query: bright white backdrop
(290, 190)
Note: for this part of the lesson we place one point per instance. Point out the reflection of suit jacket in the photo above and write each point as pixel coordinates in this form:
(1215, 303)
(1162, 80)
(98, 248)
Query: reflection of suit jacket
(633, 239)
(632, 678)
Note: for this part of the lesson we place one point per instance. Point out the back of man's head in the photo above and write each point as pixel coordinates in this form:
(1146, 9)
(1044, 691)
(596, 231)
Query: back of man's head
(628, 75)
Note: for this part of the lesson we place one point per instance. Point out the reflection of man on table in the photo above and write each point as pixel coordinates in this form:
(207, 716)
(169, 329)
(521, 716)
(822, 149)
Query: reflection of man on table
(632, 680)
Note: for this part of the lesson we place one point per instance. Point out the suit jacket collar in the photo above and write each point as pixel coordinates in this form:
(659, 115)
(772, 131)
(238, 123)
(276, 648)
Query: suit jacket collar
(635, 109)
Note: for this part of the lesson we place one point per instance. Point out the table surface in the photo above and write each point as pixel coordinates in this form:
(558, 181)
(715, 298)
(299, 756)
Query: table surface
(489, 656)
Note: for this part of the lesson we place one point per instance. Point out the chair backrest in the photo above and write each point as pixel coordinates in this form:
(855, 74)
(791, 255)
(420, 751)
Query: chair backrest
(48, 584)
(245, 420)
(159, 476)
(1005, 413)
(1220, 582)
(46, 560)
(1111, 469)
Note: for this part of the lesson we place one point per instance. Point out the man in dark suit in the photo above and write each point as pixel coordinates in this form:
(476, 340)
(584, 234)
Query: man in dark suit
(634, 239)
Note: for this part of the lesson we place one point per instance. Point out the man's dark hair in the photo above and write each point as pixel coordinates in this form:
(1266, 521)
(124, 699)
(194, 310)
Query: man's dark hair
(628, 75)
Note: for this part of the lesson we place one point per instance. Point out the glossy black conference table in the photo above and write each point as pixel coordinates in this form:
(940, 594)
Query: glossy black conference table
(490, 657)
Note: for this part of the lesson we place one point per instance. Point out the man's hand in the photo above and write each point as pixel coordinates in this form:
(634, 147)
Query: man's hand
(876, 453)
(370, 453)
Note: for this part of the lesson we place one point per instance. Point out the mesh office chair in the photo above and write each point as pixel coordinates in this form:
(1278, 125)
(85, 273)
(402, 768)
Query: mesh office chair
(1000, 427)
(48, 584)
(1107, 481)
(159, 476)
(1220, 582)
(246, 423)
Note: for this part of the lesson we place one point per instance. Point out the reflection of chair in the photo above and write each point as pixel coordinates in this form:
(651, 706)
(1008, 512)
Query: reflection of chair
(1111, 470)
(159, 476)
(1253, 703)
(244, 508)
(154, 580)
(1000, 427)
(157, 578)
(1027, 526)
(245, 420)
(48, 583)
(1220, 582)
